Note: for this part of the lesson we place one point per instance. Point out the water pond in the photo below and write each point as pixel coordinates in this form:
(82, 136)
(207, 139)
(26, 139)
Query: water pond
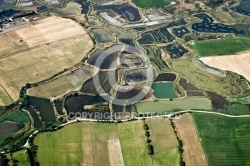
(208, 25)
(44, 107)
(164, 90)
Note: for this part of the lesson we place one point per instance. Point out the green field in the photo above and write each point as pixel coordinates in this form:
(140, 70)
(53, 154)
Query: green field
(168, 158)
(15, 116)
(75, 144)
(164, 90)
(176, 104)
(21, 158)
(225, 140)
(228, 46)
(151, 3)
(160, 130)
(66, 143)
(133, 143)
(85, 143)
(5, 99)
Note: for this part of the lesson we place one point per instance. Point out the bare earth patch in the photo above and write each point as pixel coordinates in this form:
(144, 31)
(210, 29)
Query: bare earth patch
(48, 47)
(115, 153)
(49, 30)
(193, 153)
(236, 63)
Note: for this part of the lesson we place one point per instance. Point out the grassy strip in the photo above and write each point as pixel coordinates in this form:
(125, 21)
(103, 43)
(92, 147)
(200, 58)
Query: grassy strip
(230, 45)
(175, 105)
(151, 3)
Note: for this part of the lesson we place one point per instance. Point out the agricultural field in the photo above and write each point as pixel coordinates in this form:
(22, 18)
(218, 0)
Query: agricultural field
(238, 63)
(223, 17)
(192, 150)
(63, 84)
(175, 105)
(161, 130)
(5, 99)
(90, 144)
(49, 49)
(86, 75)
(224, 139)
(151, 3)
(68, 142)
(133, 143)
(228, 46)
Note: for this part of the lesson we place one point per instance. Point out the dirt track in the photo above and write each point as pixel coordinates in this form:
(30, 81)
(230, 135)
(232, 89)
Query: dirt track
(115, 153)
(193, 153)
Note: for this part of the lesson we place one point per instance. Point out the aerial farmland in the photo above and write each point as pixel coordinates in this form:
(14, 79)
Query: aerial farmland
(124, 83)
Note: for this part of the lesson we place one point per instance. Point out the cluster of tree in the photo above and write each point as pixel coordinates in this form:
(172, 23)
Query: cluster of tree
(180, 143)
(23, 98)
(3, 159)
(32, 152)
(147, 134)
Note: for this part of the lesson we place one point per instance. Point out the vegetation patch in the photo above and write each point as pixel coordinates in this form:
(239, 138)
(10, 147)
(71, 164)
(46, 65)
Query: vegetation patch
(161, 130)
(230, 85)
(224, 139)
(175, 105)
(9, 123)
(20, 158)
(170, 157)
(228, 46)
(151, 3)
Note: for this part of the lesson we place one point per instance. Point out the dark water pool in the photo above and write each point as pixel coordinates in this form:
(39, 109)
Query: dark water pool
(44, 107)
(207, 25)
